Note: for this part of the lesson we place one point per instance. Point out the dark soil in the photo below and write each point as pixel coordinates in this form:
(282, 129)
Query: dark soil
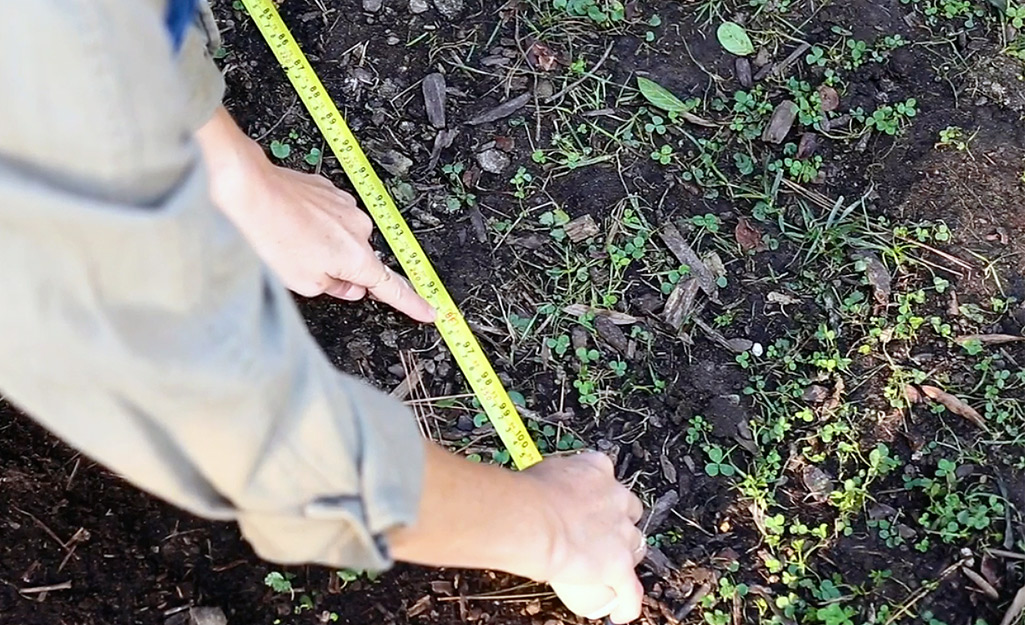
(132, 559)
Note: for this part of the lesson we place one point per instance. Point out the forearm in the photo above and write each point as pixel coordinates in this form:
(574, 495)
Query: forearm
(475, 515)
(232, 159)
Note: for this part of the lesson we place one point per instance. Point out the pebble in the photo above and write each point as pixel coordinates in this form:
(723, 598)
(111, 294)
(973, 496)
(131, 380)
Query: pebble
(393, 40)
(450, 9)
(373, 6)
(418, 6)
(493, 161)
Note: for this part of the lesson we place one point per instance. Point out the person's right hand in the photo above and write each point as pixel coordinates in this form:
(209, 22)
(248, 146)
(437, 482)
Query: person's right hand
(596, 543)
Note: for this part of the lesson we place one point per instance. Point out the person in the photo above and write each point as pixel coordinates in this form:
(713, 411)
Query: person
(145, 246)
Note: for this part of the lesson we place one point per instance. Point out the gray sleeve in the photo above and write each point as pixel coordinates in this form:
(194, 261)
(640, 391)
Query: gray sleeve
(139, 326)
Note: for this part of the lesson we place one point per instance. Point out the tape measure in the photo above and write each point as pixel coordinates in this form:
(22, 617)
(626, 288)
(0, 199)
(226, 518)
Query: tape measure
(467, 351)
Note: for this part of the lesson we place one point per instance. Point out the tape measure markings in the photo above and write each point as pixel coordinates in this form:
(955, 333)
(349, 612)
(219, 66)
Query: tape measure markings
(450, 323)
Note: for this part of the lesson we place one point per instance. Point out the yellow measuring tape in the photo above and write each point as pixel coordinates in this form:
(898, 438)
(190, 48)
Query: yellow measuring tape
(468, 354)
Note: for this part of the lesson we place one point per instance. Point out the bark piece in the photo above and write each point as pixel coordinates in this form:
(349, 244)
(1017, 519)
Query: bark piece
(742, 67)
(501, 111)
(616, 317)
(780, 123)
(611, 334)
(680, 304)
(684, 253)
(434, 98)
(581, 228)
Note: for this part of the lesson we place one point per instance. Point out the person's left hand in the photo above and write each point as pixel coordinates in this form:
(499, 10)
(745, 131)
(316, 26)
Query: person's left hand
(312, 234)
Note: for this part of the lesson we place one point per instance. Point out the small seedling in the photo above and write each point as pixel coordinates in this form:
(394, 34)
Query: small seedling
(663, 155)
(718, 462)
(280, 149)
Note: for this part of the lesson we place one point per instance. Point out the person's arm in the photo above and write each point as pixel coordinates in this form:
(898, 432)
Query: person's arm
(149, 336)
(280, 211)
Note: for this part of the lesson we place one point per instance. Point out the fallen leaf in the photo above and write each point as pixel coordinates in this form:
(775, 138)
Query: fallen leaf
(878, 277)
(988, 339)
(780, 123)
(540, 55)
(953, 404)
(506, 144)
(748, 237)
(734, 39)
(662, 98)
(829, 98)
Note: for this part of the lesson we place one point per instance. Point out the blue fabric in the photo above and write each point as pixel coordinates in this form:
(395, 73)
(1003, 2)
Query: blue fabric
(180, 14)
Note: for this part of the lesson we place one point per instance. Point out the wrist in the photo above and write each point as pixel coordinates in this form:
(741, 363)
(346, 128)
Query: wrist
(234, 162)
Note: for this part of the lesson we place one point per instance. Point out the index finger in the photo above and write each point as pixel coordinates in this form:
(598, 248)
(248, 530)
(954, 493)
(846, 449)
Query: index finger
(395, 291)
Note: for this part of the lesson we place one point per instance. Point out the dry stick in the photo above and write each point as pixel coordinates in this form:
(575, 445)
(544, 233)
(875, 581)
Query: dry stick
(1016, 608)
(776, 68)
(40, 589)
(981, 582)
(1003, 553)
(46, 529)
(923, 592)
(578, 82)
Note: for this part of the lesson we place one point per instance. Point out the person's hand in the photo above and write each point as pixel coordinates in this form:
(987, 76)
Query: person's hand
(596, 542)
(310, 233)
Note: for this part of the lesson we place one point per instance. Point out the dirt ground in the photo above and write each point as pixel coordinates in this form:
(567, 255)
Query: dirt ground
(803, 354)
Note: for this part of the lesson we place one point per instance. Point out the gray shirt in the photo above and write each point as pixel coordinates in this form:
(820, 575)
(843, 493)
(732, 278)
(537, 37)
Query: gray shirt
(138, 325)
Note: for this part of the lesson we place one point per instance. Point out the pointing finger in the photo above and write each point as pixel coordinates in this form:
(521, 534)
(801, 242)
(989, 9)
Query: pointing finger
(395, 291)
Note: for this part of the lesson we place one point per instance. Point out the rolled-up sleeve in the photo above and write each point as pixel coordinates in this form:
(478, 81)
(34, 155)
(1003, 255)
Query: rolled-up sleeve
(139, 326)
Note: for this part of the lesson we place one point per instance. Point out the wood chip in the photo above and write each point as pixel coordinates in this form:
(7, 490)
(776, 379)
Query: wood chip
(779, 68)
(775, 297)
(434, 98)
(581, 228)
(780, 123)
(687, 256)
(818, 483)
(680, 304)
(953, 404)
(878, 277)
(988, 339)
(616, 317)
(742, 68)
(808, 144)
(611, 334)
(657, 514)
(501, 111)
(668, 468)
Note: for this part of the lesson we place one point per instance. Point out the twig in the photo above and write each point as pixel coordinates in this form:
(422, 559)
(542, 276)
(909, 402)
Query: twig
(579, 81)
(40, 589)
(46, 529)
(295, 99)
(1002, 553)
(776, 68)
(981, 582)
(1016, 608)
